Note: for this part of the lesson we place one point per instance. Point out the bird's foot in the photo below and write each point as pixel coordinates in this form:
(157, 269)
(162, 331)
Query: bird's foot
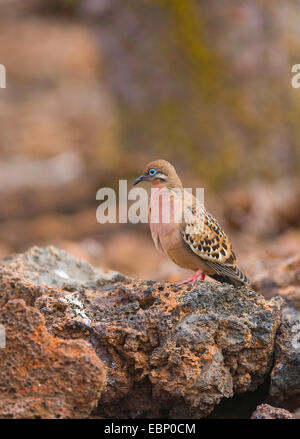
(198, 274)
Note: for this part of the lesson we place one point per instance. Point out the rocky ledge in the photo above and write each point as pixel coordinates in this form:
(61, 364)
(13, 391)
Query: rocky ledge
(82, 343)
(265, 411)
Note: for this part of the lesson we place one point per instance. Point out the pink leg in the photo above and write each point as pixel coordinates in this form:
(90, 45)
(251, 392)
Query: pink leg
(198, 274)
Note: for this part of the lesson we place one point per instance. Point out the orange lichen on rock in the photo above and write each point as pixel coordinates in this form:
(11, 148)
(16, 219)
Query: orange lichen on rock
(167, 349)
(42, 376)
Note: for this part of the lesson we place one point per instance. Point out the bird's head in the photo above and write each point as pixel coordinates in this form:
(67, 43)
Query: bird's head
(160, 173)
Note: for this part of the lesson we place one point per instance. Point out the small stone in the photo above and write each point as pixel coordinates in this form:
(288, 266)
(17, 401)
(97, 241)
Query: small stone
(265, 411)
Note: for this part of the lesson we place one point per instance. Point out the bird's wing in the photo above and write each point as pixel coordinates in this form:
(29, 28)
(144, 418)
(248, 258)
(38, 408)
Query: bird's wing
(203, 235)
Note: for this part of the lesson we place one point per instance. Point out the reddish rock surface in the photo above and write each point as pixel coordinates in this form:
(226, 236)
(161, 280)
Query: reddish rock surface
(263, 209)
(168, 350)
(285, 377)
(273, 273)
(281, 277)
(265, 411)
(278, 273)
(42, 376)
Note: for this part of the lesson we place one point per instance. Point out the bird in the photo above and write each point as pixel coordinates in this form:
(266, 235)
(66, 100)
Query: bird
(190, 237)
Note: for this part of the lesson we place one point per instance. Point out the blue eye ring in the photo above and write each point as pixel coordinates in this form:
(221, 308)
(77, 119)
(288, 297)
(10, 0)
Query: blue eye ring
(152, 172)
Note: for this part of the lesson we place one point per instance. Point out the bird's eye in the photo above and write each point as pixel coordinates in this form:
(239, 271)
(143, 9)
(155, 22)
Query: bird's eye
(152, 171)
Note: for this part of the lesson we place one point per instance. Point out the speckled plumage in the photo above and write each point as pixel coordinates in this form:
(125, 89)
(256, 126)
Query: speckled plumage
(197, 242)
(208, 241)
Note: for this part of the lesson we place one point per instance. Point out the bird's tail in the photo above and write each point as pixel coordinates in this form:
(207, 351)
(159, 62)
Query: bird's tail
(236, 277)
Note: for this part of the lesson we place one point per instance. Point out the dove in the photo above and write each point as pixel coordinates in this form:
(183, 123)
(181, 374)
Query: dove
(185, 232)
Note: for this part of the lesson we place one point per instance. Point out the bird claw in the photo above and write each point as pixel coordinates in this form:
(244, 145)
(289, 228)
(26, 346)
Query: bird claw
(198, 274)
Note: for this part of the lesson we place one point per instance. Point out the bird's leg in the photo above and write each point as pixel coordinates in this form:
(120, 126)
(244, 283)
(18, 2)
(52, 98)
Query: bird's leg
(198, 274)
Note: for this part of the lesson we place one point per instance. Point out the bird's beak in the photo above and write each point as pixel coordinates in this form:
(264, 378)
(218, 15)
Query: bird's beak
(142, 177)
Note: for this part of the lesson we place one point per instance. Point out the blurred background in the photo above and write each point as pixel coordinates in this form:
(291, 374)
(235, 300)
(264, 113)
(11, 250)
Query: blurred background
(98, 88)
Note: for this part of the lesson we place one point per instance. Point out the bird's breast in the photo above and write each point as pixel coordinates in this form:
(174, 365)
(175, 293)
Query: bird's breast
(165, 215)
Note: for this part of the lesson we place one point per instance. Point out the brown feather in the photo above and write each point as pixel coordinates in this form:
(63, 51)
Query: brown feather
(208, 241)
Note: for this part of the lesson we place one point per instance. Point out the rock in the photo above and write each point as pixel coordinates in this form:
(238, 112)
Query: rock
(263, 209)
(281, 278)
(44, 376)
(265, 411)
(285, 377)
(297, 413)
(168, 350)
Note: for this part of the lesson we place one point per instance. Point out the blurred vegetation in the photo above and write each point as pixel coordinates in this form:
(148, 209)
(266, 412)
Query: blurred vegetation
(212, 85)
(226, 114)
(97, 88)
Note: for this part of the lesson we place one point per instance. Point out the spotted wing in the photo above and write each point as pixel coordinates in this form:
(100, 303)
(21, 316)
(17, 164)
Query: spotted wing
(204, 236)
